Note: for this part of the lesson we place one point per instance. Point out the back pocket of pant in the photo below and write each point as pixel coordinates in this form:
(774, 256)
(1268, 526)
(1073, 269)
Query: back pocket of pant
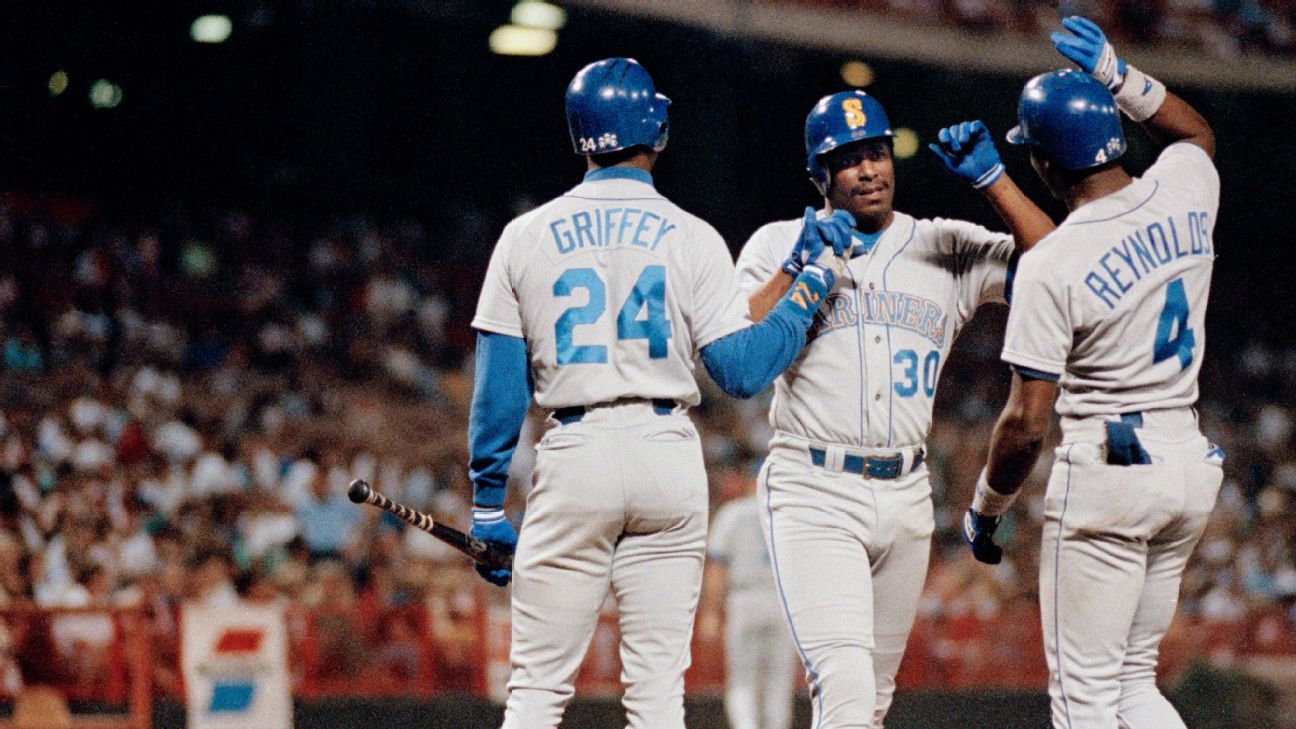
(556, 440)
(673, 433)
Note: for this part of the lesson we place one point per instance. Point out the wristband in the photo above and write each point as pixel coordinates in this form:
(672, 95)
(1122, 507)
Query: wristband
(487, 516)
(989, 177)
(1140, 95)
(987, 501)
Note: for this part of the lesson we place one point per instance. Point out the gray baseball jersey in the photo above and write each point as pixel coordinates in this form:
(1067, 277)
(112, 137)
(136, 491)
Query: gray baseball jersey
(1112, 304)
(759, 656)
(737, 542)
(865, 385)
(615, 289)
(868, 379)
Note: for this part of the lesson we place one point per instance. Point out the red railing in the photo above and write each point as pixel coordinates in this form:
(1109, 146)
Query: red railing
(83, 654)
(461, 644)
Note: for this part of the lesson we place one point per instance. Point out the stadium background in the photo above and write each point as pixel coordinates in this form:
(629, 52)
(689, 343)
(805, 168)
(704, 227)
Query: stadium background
(235, 275)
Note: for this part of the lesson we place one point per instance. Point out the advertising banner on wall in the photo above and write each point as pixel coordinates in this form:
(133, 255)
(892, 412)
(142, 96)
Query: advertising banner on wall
(236, 667)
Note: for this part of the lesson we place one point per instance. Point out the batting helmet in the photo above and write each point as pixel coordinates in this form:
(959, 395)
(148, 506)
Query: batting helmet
(1071, 117)
(842, 118)
(612, 105)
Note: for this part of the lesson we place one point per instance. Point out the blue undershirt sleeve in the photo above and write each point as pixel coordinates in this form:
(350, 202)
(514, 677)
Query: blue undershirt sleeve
(747, 361)
(501, 395)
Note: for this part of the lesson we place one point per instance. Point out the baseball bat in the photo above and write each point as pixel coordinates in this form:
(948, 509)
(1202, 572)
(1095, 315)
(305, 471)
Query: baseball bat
(487, 555)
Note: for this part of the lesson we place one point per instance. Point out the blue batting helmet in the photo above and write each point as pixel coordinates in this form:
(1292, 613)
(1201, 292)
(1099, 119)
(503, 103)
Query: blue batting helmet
(1071, 117)
(842, 118)
(612, 105)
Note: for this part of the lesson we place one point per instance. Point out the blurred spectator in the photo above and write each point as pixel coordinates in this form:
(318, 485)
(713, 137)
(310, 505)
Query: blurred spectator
(185, 444)
(327, 519)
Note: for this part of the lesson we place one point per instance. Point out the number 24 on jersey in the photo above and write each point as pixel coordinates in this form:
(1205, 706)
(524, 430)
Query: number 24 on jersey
(649, 292)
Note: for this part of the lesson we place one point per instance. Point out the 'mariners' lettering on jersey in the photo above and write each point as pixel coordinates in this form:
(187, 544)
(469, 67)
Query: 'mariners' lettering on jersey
(885, 308)
(606, 227)
(1142, 252)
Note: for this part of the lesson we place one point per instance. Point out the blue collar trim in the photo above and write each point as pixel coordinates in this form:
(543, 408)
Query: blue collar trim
(864, 242)
(618, 173)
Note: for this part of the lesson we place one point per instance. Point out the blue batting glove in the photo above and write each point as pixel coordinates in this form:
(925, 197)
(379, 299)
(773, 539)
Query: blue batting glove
(1088, 48)
(823, 276)
(817, 236)
(835, 230)
(808, 246)
(967, 150)
(978, 532)
(490, 525)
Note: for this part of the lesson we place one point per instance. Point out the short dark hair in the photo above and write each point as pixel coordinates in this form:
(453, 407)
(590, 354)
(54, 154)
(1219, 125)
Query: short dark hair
(611, 159)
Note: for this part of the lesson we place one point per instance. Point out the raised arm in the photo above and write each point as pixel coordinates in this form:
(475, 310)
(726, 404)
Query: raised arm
(765, 297)
(808, 247)
(967, 150)
(1166, 117)
(747, 361)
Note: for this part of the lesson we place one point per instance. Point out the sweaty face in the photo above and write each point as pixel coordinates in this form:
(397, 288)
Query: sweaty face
(862, 182)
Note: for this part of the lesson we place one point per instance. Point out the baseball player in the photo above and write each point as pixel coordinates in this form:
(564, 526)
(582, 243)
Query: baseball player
(595, 303)
(738, 583)
(1110, 309)
(845, 498)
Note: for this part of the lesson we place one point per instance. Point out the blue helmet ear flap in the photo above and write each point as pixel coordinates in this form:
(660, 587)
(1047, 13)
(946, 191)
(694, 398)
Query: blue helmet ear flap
(613, 105)
(836, 120)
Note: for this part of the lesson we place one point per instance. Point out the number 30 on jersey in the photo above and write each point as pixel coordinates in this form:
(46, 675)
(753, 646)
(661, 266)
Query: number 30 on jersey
(649, 293)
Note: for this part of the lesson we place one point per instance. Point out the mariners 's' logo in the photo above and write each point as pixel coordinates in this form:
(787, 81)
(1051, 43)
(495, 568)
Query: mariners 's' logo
(855, 117)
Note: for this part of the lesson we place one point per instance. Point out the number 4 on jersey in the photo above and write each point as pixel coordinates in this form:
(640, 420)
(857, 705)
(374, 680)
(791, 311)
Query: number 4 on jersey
(1174, 316)
(649, 291)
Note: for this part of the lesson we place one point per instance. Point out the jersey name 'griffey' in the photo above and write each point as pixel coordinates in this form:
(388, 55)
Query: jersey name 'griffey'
(615, 289)
(882, 337)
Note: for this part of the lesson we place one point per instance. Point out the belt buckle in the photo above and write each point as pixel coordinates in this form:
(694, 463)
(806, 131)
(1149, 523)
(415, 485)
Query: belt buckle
(888, 467)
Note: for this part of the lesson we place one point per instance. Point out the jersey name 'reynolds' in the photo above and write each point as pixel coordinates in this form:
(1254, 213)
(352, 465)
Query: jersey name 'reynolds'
(1144, 251)
(885, 308)
(603, 227)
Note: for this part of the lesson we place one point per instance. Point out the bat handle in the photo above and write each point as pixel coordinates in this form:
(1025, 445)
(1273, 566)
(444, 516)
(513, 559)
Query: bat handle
(489, 555)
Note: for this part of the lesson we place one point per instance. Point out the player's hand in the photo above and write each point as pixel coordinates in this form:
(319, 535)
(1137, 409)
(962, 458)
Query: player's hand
(835, 231)
(830, 265)
(818, 236)
(1087, 47)
(967, 150)
(978, 532)
(492, 527)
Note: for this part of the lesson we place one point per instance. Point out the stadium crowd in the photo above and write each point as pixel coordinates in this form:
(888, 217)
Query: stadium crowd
(1223, 28)
(185, 396)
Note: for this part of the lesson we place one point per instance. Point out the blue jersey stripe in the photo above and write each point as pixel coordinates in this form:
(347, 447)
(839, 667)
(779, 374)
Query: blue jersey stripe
(816, 695)
(1057, 579)
(1156, 185)
(890, 353)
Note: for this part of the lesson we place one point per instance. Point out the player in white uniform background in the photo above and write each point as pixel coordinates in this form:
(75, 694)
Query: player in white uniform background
(845, 497)
(1110, 309)
(596, 303)
(738, 592)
